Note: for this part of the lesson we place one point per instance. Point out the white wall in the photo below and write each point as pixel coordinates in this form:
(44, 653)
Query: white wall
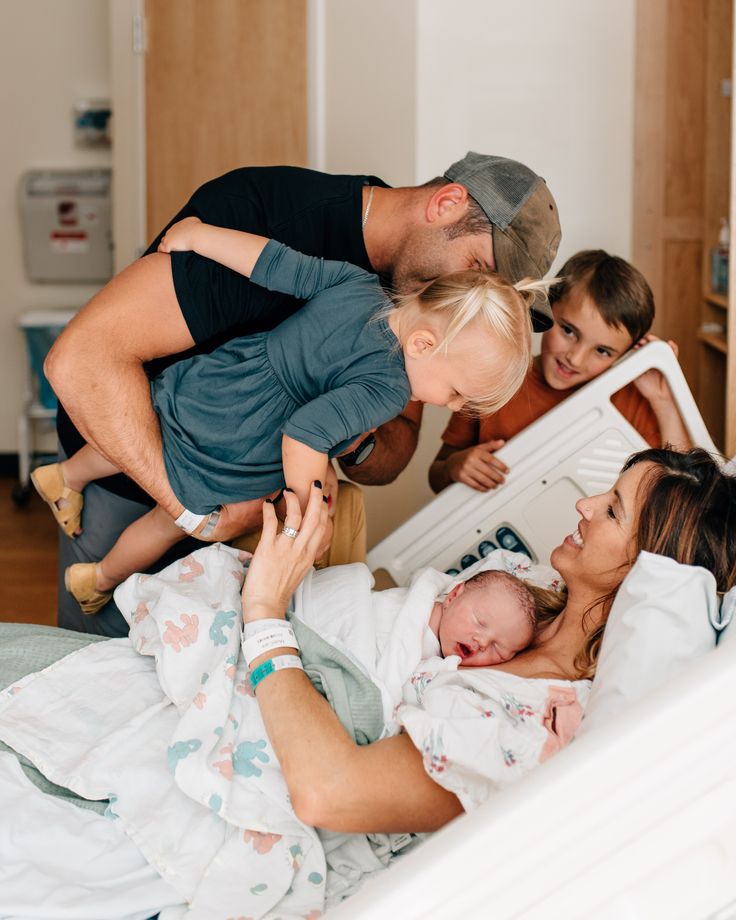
(370, 88)
(550, 84)
(51, 55)
(408, 87)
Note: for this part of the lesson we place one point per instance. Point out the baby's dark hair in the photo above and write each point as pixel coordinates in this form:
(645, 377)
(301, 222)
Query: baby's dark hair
(619, 290)
(516, 586)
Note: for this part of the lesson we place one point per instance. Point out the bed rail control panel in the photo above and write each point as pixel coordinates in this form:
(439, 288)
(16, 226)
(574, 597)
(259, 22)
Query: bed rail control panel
(576, 449)
(504, 537)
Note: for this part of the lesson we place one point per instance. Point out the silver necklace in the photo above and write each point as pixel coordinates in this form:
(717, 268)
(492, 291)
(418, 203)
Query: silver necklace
(368, 207)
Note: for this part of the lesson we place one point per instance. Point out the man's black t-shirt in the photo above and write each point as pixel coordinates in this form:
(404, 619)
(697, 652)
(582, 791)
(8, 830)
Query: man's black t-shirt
(312, 212)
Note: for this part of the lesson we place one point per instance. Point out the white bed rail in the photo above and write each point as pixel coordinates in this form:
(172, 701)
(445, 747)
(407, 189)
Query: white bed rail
(574, 450)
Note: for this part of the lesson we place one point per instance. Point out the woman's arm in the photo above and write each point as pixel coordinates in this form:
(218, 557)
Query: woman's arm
(333, 783)
(338, 785)
(235, 249)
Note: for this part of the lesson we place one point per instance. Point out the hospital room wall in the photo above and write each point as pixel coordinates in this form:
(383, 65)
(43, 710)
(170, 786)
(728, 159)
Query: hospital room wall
(51, 55)
(418, 84)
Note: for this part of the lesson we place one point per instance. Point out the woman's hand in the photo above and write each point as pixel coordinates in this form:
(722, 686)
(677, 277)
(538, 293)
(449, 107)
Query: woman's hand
(180, 237)
(280, 562)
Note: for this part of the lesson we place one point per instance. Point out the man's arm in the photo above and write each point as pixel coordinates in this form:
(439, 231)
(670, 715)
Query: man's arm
(96, 370)
(396, 442)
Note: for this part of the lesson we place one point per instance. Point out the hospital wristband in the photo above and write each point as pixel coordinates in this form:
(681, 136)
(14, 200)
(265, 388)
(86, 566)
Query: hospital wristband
(281, 636)
(253, 627)
(188, 521)
(274, 664)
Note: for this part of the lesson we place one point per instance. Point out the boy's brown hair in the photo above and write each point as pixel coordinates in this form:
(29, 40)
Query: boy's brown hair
(619, 291)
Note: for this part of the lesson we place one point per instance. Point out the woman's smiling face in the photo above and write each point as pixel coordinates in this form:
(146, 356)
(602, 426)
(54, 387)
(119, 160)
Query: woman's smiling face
(600, 552)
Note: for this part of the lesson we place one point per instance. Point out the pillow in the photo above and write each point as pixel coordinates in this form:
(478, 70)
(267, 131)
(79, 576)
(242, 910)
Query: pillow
(660, 620)
(725, 625)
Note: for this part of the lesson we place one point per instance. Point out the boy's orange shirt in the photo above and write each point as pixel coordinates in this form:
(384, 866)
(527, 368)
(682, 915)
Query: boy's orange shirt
(532, 401)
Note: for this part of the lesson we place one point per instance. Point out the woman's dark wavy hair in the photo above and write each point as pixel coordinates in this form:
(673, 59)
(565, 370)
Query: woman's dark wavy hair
(687, 511)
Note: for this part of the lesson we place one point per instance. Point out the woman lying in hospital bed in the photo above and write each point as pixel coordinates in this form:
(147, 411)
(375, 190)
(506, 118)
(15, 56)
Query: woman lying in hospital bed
(220, 785)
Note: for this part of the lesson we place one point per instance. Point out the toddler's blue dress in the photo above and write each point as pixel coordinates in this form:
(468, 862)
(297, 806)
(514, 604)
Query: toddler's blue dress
(329, 372)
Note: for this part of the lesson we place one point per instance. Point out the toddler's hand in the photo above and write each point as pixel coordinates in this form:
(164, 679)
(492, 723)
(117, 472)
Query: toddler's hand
(478, 467)
(180, 236)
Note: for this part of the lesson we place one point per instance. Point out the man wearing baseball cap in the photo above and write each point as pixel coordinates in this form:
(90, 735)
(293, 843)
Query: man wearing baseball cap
(486, 212)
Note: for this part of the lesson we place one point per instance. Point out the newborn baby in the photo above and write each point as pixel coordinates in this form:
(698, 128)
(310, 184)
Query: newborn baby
(485, 620)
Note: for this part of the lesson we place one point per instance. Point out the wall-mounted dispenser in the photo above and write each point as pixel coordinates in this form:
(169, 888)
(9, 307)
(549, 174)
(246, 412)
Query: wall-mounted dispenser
(65, 215)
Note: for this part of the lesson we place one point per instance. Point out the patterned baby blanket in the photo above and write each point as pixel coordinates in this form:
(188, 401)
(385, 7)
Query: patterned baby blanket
(166, 728)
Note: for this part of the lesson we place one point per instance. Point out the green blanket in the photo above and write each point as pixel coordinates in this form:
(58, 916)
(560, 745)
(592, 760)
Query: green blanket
(354, 697)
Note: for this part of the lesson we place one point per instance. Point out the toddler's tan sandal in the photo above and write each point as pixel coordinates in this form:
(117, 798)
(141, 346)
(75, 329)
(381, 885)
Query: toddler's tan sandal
(49, 483)
(80, 582)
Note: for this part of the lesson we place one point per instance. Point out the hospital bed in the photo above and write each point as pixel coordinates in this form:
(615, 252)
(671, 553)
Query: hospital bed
(635, 820)
(575, 450)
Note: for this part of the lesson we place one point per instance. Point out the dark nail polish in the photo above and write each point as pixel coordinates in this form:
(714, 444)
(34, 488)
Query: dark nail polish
(269, 501)
(325, 499)
(317, 483)
(287, 489)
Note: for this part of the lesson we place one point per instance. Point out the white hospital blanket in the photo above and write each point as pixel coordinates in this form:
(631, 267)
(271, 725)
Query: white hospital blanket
(168, 728)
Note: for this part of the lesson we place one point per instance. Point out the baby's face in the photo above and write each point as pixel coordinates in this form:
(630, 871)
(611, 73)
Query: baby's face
(484, 626)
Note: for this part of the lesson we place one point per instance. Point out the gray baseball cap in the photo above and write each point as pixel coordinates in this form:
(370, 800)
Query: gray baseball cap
(523, 216)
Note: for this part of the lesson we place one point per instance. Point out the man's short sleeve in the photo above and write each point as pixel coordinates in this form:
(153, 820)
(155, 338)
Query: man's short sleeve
(461, 432)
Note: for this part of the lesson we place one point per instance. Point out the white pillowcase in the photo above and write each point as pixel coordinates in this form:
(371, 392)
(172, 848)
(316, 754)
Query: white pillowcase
(660, 620)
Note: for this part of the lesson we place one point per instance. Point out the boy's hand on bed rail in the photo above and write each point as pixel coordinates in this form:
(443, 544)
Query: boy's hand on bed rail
(478, 466)
(651, 384)
(280, 562)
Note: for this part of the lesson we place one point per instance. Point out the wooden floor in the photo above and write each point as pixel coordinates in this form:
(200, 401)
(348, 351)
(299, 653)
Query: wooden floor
(28, 557)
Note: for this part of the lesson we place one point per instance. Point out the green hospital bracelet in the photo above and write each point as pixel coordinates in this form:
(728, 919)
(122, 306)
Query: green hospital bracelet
(274, 664)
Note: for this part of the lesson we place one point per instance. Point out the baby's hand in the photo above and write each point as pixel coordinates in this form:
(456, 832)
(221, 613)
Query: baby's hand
(180, 236)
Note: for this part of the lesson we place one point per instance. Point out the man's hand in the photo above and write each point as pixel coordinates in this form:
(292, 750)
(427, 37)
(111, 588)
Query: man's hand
(235, 519)
(180, 237)
(330, 491)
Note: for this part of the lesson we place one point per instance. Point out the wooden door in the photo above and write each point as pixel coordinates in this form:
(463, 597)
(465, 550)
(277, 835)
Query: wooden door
(681, 189)
(225, 86)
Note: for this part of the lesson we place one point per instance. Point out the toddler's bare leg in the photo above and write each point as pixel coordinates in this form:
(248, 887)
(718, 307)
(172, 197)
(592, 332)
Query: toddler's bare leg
(86, 466)
(138, 547)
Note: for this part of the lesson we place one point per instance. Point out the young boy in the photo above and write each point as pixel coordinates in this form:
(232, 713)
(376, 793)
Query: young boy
(602, 307)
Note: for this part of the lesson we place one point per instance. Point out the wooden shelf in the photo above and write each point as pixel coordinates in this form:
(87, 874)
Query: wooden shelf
(718, 300)
(713, 340)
